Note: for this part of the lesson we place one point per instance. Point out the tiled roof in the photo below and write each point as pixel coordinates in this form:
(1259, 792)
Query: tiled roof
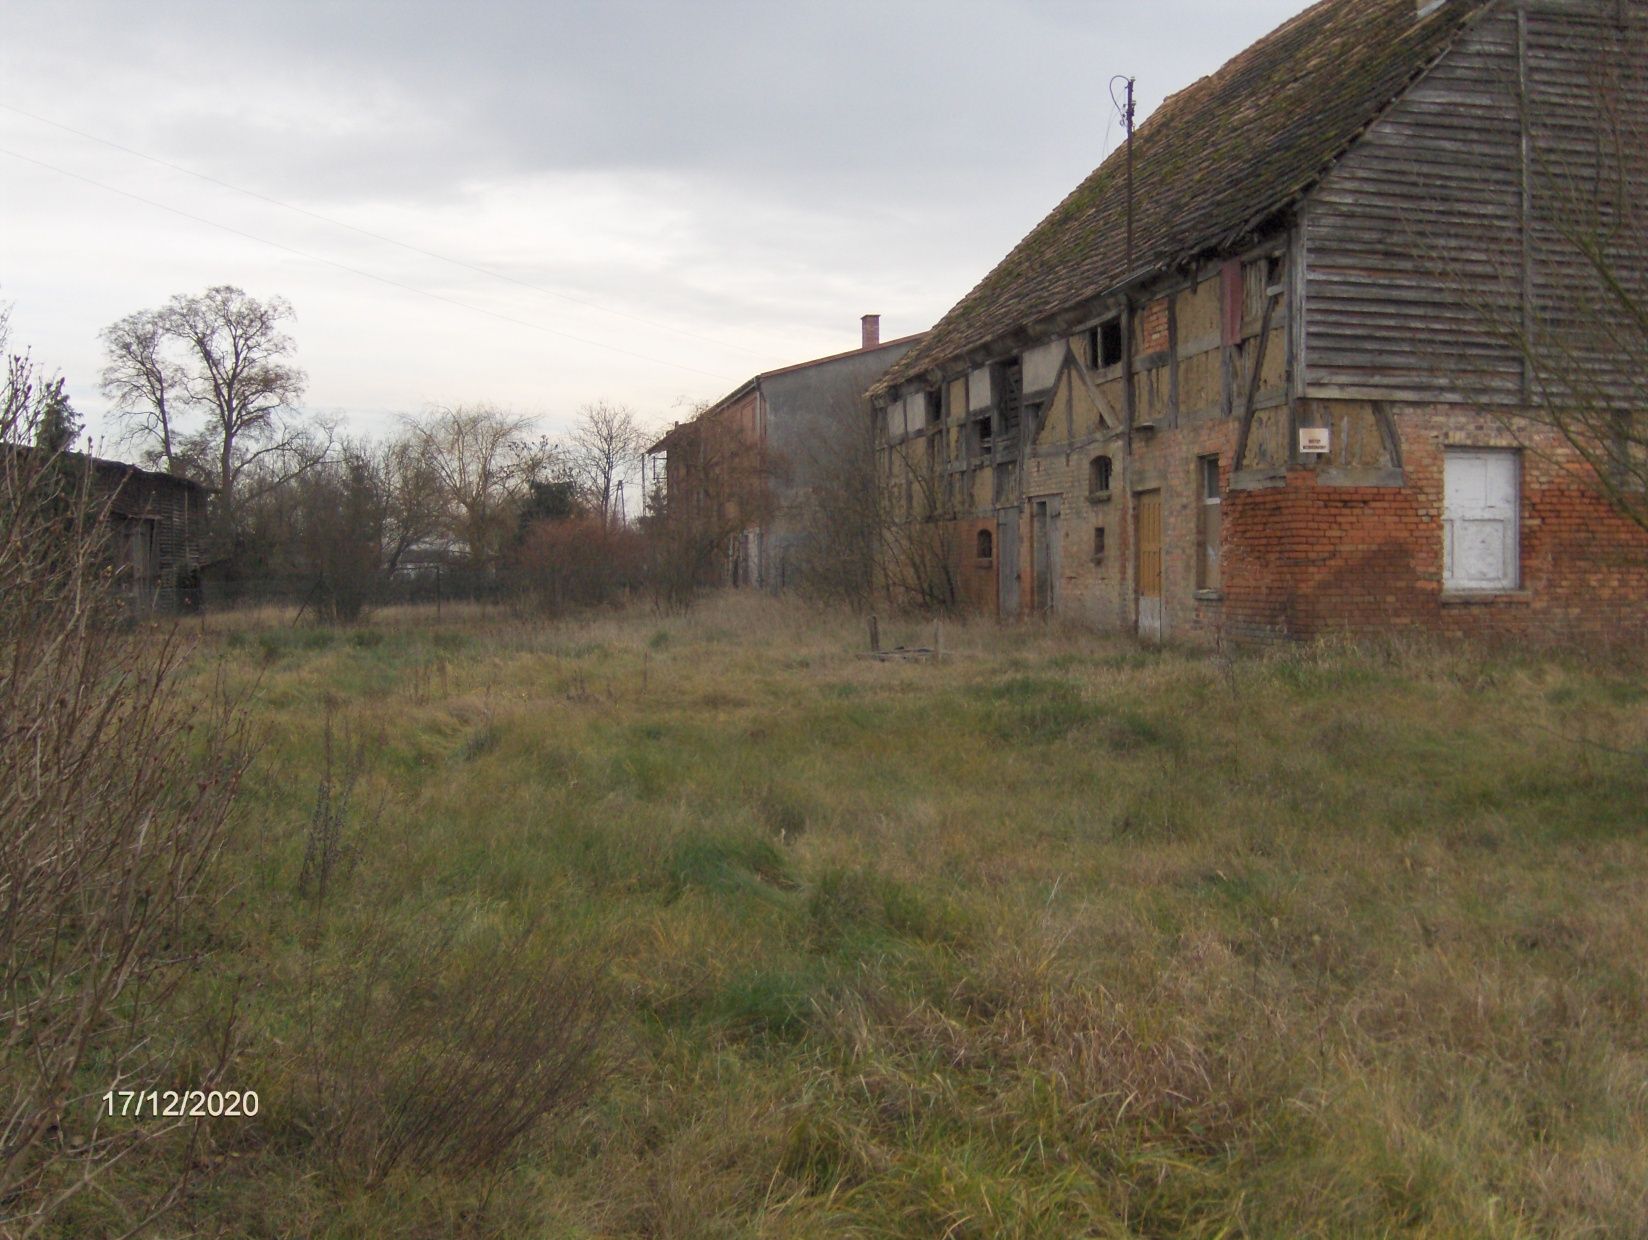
(1211, 164)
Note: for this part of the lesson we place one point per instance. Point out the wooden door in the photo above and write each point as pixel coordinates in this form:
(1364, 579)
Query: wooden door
(1045, 545)
(1148, 575)
(1007, 563)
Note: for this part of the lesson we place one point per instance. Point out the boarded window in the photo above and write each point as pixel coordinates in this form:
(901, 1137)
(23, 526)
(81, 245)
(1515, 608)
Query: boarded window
(1480, 518)
(1207, 562)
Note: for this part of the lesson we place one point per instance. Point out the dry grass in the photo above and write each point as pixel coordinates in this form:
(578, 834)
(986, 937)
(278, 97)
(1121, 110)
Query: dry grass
(1058, 937)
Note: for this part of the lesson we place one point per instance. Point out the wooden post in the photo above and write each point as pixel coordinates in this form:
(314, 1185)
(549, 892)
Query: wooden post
(875, 635)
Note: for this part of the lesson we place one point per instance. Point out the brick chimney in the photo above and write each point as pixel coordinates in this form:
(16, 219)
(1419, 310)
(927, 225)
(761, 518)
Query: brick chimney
(871, 323)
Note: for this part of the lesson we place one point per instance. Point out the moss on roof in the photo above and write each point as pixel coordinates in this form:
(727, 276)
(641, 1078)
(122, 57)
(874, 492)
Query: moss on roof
(1213, 163)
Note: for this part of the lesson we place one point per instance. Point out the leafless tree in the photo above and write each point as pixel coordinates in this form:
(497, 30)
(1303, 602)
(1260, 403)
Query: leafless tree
(719, 484)
(115, 787)
(409, 484)
(603, 450)
(482, 461)
(878, 526)
(146, 383)
(1573, 304)
(221, 357)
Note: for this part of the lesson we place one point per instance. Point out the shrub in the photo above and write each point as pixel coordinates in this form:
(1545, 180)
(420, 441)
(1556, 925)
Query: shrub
(424, 1053)
(114, 793)
(579, 561)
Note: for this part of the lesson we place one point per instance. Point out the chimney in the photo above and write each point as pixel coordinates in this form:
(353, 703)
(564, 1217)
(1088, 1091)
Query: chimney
(871, 323)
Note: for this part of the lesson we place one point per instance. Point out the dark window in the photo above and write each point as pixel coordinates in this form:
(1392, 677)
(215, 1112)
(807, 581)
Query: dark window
(982, 433)
(986, 545)
(1098, 476)
(1098, 544)
(1104, 345)
(1009, 395)
(935, 406)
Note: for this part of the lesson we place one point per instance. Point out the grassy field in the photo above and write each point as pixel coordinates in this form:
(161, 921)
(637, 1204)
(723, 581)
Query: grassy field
(1058, 937)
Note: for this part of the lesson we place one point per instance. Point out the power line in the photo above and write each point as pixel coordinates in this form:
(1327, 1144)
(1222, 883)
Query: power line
(410, 288)
(367, 232)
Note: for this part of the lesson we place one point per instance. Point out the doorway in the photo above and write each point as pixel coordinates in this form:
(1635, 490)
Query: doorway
(1148, 514)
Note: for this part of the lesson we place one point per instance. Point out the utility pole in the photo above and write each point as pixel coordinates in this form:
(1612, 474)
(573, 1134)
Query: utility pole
(1128, 118)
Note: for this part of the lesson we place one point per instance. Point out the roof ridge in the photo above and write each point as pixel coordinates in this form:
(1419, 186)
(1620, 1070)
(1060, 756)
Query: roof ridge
(1216, 157)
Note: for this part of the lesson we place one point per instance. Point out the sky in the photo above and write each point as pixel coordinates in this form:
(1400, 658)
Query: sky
(540, 203)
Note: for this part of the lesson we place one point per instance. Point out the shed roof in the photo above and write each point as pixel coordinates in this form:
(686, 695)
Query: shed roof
(1212, 164)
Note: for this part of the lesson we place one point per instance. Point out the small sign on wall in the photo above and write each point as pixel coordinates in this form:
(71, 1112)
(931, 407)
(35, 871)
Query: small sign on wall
(1313, 439)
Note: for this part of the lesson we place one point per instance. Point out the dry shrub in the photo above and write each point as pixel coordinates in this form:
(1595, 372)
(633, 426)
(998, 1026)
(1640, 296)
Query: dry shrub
(580, 561)
(328, 851)
(114, 791)
(437, 1056)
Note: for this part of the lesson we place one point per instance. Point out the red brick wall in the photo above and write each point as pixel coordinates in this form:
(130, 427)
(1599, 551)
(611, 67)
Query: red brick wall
(975, 578)
(1308, 558)
(1153, 335)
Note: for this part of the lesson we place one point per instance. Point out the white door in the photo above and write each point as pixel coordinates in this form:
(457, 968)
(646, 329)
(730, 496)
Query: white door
(1480, 519)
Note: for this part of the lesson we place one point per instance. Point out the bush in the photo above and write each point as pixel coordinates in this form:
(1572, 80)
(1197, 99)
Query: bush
(114, 794)
(426, 1053)
(579, 561)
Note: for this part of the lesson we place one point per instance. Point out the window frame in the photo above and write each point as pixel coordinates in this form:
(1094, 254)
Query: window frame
(1209, 524)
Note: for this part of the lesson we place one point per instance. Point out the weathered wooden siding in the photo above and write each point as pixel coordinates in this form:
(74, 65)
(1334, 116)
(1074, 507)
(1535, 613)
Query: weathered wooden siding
(1434, 240)
(177, 511)
(1417, 233)
(1587, 122)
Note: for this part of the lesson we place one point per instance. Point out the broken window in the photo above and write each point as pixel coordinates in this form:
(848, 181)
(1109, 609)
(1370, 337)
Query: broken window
(983, 438)
(1010, 389)
(1104, 345)
(1207, 562)
(1098, 544)
(1098, 478)
(935, 406)
(985, 545)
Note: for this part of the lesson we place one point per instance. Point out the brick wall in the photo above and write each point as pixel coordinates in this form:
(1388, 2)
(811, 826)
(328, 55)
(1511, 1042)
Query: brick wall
(1307, 557)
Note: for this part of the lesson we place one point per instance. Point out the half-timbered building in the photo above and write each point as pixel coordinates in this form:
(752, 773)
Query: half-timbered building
(1264, 373)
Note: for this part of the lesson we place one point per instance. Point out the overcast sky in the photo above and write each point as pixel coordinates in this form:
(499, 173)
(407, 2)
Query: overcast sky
(695, 191)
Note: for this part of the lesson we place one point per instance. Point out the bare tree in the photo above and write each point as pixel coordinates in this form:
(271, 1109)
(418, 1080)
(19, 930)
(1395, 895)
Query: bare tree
(146, 384)
(878, 525)
(1569, 298)
(409, 483)
(221, 356)
(482, 461)
(719, 483)
(604, 449)
(115, 787)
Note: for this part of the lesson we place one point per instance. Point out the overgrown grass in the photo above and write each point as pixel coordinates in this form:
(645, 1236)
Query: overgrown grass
(1057, 937)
